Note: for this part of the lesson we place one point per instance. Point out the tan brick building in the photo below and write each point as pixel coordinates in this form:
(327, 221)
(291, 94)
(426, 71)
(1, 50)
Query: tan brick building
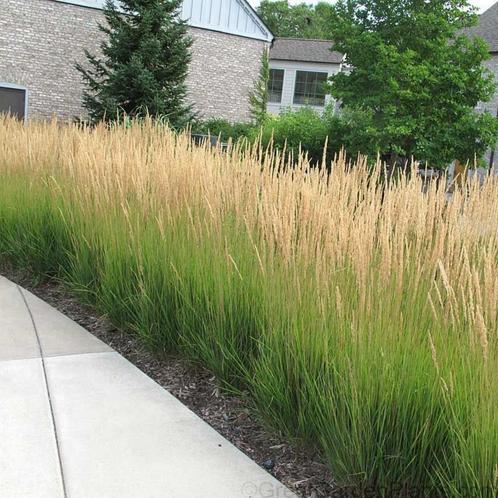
(41, 40)
(487, 29)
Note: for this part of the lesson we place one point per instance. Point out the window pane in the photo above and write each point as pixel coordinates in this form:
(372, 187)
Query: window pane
(275, 84)
(12, 102)
(310, 88)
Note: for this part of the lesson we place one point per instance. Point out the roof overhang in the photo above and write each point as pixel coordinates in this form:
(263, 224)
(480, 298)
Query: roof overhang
(264, 33)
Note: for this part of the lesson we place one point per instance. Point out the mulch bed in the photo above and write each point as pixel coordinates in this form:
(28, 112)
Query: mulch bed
(299, 469)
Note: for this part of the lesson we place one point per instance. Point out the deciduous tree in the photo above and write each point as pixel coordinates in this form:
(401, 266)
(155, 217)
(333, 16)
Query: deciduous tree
(417, 76)
(296, 21)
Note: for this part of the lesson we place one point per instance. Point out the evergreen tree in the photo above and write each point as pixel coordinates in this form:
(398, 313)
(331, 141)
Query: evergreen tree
(143, 63)
(258, 99)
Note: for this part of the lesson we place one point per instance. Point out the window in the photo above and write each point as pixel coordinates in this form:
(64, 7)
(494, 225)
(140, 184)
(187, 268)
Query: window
(275, 84)
(310, 88)
(13, 100)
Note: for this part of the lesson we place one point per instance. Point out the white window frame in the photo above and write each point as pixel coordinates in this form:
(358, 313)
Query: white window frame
(283, 84)
(13, 86)
(318, 106)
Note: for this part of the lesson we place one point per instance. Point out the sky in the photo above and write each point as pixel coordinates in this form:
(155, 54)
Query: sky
(482, 5)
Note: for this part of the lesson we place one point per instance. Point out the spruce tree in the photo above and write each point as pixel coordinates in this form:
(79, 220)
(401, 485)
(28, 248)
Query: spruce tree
(143, 63)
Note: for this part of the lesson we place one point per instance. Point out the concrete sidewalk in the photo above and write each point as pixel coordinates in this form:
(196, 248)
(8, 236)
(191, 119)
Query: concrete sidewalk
(77, 420)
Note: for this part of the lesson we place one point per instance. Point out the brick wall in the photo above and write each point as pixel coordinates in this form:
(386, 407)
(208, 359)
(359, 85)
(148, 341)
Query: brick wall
(222, 73)
(40, 41)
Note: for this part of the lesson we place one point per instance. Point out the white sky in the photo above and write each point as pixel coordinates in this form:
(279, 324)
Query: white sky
(482, 5)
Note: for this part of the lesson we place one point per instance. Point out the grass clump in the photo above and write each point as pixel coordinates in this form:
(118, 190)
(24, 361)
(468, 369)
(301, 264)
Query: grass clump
(360, 315)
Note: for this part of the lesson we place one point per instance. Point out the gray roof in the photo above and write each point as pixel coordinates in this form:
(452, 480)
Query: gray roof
(487, 27)
(298, 49)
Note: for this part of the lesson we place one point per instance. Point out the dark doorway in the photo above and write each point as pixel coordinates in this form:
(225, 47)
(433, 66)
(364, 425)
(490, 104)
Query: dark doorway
(13, 101)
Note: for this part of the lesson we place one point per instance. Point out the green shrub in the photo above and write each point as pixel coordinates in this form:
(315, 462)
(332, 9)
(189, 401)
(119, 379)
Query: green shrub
(225, 130)
(304, 130)
(293, 131)
(316, 134)
(353, 131)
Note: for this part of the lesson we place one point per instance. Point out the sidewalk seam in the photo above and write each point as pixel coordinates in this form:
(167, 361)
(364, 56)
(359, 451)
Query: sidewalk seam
(47, 388)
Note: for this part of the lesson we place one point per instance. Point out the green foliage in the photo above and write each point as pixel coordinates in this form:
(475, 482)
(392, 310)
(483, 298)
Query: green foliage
(143, 63)
(322, 135)
(303, 130)
(219, 127)
(294, 131)
(353, 130)
(415, 77)
(258, 99)
(291, 131)
(296, 21)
